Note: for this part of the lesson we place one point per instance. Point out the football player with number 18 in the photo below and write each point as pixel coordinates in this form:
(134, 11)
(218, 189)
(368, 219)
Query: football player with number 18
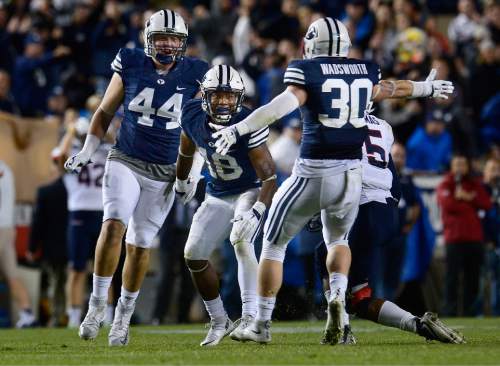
(333, 92)
(152, 84)
(241, 186)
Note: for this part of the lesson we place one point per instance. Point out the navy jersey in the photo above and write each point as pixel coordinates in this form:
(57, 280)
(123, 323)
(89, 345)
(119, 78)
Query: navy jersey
(152, 103)
(229, 174)
(338, 92)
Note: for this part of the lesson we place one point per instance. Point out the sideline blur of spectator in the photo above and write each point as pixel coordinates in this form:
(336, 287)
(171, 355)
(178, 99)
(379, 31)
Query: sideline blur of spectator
(359, 22)
(462, 197)
(48, 237)
(286, 148)
(8, 260)
(430, 147)
(491, 226)
(463, 27)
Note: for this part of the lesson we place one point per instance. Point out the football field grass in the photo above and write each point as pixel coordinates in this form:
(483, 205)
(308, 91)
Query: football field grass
(294, 343)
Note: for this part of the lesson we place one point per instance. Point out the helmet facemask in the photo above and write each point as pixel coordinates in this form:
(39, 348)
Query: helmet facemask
(166, 47)
(221, 103)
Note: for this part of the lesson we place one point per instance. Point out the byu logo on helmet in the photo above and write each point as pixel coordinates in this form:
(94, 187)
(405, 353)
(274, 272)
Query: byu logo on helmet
(326, 37)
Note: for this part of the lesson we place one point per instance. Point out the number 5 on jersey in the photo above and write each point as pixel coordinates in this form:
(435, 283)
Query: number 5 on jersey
(143, 102)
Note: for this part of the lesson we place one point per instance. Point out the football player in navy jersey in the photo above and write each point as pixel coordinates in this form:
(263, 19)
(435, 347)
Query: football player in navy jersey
(152, 84)
(241, 187)
(333, 92)
(375, 226)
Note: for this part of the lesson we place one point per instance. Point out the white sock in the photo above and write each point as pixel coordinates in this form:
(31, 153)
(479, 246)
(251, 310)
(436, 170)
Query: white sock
(110, 313)
(265, 307)
(75, 315)
(215, 309)
(249, 303)
(127, 297)
(100, 286)
(338, 281)
(247, 277)
(393, 316)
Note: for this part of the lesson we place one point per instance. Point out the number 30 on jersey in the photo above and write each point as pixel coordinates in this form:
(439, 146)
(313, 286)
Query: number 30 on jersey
(143, 102)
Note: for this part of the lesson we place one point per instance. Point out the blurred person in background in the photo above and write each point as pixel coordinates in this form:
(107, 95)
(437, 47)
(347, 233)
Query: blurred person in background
(491, 226)
(409, 211)
(429, 148)
(286, 148)
(108, 36)
(242, 30)
(462, 197)
(31, 75)
(8, 260)
(85, 214)
(359, 21)
(7, 102)
(48, 242)
(462, 29)
(214, 29)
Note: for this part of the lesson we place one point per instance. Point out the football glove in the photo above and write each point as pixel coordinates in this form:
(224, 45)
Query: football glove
(247, 224)
(226, 138)
(75, 163)
(186, 189)
(439, 88)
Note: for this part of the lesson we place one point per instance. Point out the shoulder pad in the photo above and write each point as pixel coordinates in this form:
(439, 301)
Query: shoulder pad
(191, 107)
(295, 73)
(127, 57)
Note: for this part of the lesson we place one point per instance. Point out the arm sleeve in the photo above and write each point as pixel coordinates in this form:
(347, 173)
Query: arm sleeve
(280, 106)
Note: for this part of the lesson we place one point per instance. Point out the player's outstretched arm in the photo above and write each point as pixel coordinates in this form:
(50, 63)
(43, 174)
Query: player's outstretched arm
(247, 224)
(99, 124)
(283, 104)
(413, 89)
(185, 184)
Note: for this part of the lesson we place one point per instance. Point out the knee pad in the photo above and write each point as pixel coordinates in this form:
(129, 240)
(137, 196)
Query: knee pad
(244, 249)
(142, 238)
(273, 252)
(196, 250)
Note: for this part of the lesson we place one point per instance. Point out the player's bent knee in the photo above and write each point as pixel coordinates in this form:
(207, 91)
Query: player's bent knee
(273, 252)
(112, 232)
(362, 304)
(244, 249)
(196, 266)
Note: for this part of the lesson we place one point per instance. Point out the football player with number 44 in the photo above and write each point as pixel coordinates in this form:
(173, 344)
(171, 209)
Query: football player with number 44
(333, 92)
(152, 84)
(234, 206)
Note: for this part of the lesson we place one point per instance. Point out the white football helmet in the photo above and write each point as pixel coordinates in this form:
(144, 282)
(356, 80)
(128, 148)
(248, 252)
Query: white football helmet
(165, 22)
(221, 78)
(326, 37)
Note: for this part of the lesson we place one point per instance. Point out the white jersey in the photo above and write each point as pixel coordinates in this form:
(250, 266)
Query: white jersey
(85, 188)
(7, 196)
(377, 177)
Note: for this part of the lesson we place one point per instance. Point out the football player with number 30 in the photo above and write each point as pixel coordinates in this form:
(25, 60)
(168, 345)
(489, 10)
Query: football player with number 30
(152, 84)
(234, 206)
(333, 92)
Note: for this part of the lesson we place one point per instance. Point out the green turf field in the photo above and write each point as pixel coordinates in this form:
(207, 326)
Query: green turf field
(293, 343)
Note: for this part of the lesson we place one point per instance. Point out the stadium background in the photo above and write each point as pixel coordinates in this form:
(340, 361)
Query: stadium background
(55, 55)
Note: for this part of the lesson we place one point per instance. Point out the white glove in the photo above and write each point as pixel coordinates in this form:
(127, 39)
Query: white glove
(186, 189)
(432, 88)
(226, 138)
(75, 163)
(247, 224)
(440, 88)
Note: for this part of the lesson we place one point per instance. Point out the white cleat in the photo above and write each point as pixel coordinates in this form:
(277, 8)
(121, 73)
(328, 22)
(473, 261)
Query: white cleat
(242, 323)
(430, 327)
(334, 323)
(89, 329)
(257, 331)
(217, 331)
(119, 333)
